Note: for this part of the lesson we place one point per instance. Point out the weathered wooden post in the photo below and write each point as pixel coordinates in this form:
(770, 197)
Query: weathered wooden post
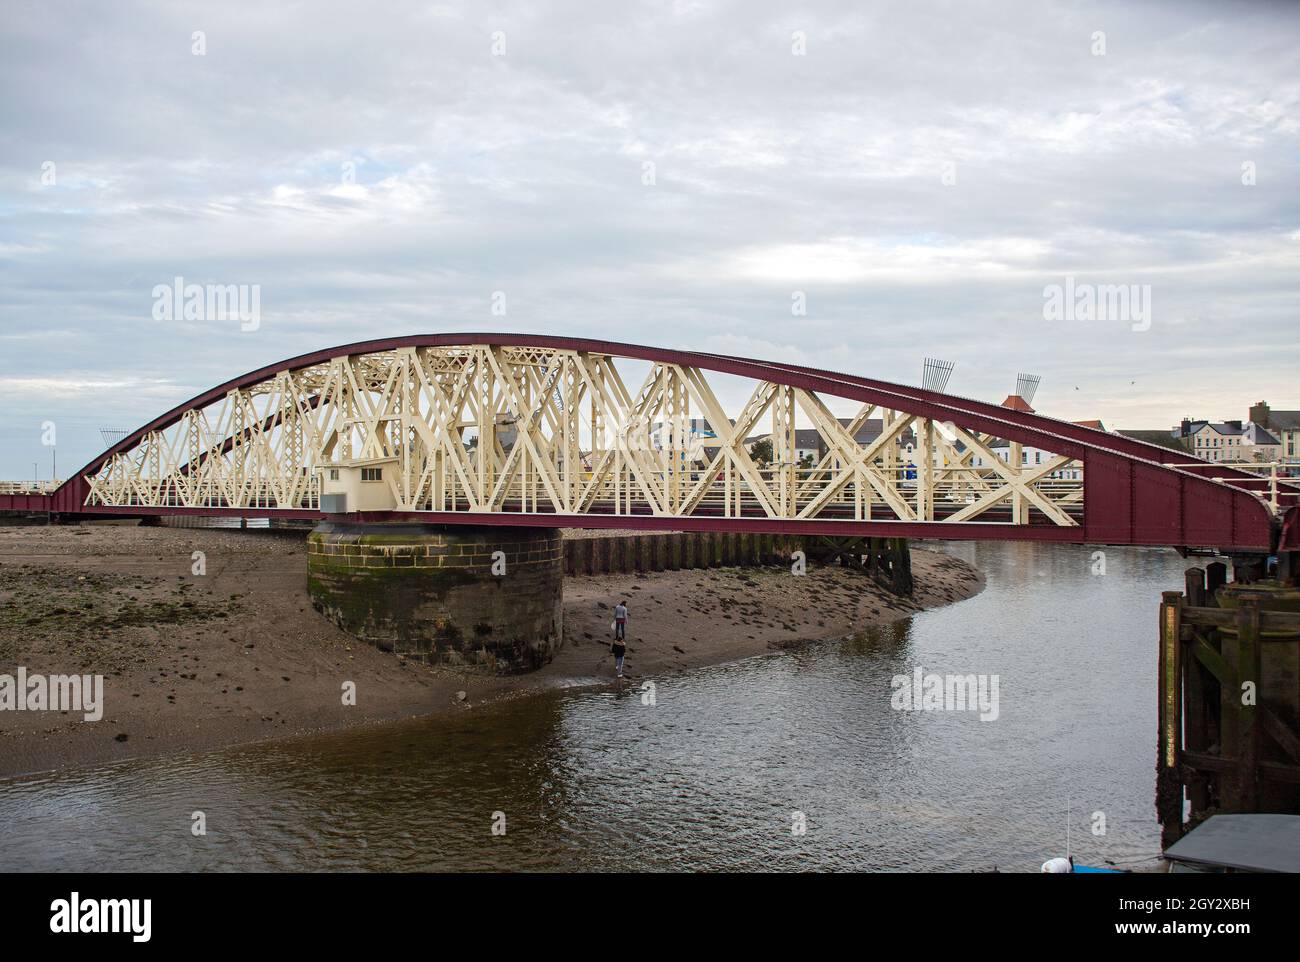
(1169, 789)
(900, 567)
(1230, 721)
(1216, 576)
(1195, 716)
(1248, 694)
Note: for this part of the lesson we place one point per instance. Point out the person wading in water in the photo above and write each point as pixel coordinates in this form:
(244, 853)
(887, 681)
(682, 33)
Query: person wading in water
(619, 647)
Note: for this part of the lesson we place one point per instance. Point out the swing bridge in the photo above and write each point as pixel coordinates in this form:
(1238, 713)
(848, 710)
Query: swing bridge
(532, 430)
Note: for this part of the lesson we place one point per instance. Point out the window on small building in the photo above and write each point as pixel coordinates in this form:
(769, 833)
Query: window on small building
(372, 474)
(334, 474)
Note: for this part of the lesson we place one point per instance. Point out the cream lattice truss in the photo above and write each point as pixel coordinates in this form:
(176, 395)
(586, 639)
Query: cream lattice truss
(482, 428)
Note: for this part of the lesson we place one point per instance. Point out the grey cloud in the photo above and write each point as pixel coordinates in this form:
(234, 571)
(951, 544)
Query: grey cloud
(522, 173)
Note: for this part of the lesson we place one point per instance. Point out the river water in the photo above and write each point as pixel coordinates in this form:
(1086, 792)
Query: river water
(719, 773)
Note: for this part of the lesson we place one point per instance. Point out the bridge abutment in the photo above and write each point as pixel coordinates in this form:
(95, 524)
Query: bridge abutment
(484, 599)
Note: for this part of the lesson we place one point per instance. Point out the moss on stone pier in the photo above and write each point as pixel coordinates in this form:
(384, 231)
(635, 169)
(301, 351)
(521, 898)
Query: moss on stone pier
(481, 599)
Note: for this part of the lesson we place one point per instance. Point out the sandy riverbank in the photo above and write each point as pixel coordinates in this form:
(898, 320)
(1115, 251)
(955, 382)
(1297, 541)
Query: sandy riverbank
(238, 655)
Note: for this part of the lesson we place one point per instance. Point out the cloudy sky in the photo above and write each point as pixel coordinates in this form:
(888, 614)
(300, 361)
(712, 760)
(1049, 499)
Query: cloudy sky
(919, 171)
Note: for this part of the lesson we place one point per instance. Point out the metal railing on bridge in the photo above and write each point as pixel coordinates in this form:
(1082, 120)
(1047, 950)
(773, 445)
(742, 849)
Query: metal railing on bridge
(28, 487)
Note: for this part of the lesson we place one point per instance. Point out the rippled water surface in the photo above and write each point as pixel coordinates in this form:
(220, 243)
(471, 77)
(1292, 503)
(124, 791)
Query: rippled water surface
(711, 775)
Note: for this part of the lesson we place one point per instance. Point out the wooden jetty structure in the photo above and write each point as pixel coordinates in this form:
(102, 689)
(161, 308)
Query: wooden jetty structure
(1229, 696)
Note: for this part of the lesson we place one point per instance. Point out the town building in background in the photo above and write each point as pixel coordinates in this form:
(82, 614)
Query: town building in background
(1212, 441)
(1267, 437)
(1282, 425)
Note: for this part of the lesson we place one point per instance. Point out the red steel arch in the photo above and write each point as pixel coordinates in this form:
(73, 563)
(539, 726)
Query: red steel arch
(1132, 494)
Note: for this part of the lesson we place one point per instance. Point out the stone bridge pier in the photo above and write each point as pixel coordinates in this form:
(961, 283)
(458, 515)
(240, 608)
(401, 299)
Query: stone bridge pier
(487, 599)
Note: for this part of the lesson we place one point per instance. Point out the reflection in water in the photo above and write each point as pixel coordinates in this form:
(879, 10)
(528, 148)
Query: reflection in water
(711, 776)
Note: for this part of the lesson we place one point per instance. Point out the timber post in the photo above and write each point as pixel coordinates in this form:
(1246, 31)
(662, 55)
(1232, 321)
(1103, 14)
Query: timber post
(1169, 789)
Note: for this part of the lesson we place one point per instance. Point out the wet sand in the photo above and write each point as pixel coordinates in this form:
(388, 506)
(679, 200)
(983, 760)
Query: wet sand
(237, 654)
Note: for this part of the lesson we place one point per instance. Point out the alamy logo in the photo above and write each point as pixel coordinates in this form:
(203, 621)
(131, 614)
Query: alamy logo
(1098, 302)
(921, 692)
(74, 915)
(83, 693)
(209, 302)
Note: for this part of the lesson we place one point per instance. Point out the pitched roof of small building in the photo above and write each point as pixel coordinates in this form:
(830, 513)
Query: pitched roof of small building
(1284, 420)
(1227, 428)
(1191, 426)
(1017, 403)
(810, 438)
(872, 428)
(1259, 435)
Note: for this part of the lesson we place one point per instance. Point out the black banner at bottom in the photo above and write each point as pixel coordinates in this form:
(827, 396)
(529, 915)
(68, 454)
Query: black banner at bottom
(334, 912)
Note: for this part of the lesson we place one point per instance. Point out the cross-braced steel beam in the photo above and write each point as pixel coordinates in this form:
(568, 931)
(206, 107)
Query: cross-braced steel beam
(493, 428)
(484, 428)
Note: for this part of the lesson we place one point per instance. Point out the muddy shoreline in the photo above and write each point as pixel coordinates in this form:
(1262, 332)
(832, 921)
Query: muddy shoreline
(236, 655)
